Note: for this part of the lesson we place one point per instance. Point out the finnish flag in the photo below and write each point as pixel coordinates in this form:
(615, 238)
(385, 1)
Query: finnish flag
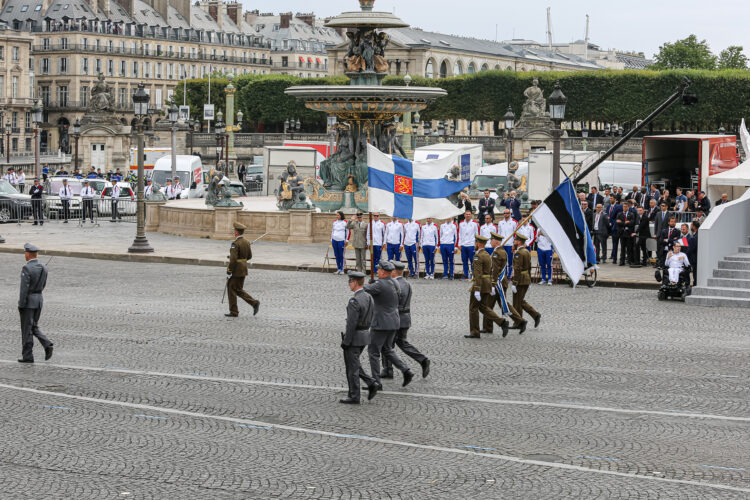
(561, 218)
(415, 190)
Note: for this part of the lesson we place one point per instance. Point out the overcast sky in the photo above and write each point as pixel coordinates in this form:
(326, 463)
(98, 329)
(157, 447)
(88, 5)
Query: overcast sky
(637, 25)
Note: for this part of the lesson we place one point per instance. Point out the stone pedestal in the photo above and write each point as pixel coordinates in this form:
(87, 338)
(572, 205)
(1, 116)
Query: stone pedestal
(224, 218)
(153, 215)
(300, 226)
(350, 207)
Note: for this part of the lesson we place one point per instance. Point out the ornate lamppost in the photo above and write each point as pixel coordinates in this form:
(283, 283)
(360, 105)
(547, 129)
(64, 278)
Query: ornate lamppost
(7, 143)
(557, 103)
(76, 136)
(174, 115)
(220, 129)
(291, 125)
(36, 118)
(141, 111)
(510, 124)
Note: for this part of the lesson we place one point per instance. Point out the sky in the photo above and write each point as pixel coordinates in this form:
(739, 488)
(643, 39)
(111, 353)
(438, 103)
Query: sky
(627, 25)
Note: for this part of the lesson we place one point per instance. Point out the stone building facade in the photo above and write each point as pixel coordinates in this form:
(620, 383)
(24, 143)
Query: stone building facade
(16, 91)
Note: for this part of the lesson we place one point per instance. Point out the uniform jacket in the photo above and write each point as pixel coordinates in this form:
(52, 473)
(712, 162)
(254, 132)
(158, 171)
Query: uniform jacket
(499, 262)
(36, 192)
(603, 229)
(358, 233)
(359, 312)
(522, 267)
(404, 302)
(33, 281)
(612, 212)
(487, 206)
(239, 255)
(482, 279)
(385, 295)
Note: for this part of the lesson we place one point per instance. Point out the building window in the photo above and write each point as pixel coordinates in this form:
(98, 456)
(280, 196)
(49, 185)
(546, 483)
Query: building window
(14, 119)
(64, 43)
(429, 71)
(14, 87)
(14, 143)
(110, 46)
(98, 66)
(123, 68)
(98, 44)
(85, 65)
(84, 96)
(192, 71)
(111, 67)
(85, 44)
(62, 95)
(16, 53)
(158, 103)
(27, 120)
(158, 70)
(170, 71)
(123, 96)
(146, 69)
(28, 144)
(45, 43)
(45, 94)
(146, 49)
(182, 51)
(63, 65)
(44, 66)
(135, 69)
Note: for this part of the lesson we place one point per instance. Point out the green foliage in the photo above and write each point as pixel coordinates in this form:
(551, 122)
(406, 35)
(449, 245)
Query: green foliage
(689, 53)
(732, 58)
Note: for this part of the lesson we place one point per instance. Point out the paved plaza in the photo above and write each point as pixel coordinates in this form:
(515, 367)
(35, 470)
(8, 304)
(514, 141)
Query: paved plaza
(153, 393)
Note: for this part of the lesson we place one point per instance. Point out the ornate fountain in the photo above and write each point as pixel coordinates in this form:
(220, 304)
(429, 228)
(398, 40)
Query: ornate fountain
(365, 109)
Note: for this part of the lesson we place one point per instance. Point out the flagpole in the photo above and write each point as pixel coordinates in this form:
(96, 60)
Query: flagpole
(523, 221)
(209, 94)
(372, 248)
(184, 90)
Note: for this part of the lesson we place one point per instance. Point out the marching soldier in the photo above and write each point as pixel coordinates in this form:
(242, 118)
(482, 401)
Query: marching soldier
(385, 323)
(521, 282)
(239, 255)
(359, 313)
(481, 288)
(33, 281)
(500, 274)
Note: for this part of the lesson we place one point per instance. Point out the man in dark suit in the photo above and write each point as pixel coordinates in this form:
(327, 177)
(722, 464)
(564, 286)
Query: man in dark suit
(641, 236)
(33, 281)
(626, 228)
(651, 210)
(703, 203)
(513, 204)
(661, 219)
(486, 206)
(588, 215)
(600, 231)
(594, 198)
(614, 210)
(668, 235)
(693, 250)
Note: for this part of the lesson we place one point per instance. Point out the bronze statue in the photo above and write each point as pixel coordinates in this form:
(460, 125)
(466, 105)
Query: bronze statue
(381, 41)
(354, 60)
(290, 188)
(334, 170)
(389, 143)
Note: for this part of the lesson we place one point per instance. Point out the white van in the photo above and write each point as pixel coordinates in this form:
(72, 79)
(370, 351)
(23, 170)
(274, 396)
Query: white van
(189, 169)
(625, 174)
(493, 176)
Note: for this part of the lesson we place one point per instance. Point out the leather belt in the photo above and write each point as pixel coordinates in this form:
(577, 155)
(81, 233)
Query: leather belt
(241, 260)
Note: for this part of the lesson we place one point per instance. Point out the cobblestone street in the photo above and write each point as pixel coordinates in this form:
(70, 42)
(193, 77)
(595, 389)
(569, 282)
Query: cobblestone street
(153, 393)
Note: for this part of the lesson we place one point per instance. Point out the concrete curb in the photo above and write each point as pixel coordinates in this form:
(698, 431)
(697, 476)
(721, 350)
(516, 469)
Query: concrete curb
(165, 259)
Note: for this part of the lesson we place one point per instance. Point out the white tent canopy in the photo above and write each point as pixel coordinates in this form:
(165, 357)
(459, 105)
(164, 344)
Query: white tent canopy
(732, 182)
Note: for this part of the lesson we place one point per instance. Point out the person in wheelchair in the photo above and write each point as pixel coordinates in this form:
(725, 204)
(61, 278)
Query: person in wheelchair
(677, 266)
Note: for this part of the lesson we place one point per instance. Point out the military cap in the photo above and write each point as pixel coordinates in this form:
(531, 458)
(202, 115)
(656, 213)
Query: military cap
(398, 265)
(521, 237)
(359, 214)
(356, 275)
(387, 265)
(481, 239)
(65, 181)
(30, 247)
(238, 225)
(498, 237)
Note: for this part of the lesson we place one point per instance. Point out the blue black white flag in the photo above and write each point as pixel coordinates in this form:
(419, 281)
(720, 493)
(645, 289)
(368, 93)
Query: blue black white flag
(561, 218)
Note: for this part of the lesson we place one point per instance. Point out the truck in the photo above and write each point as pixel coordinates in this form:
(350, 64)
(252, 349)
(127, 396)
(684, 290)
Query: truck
(150, 156)
(189, 168)
(323, 148)
(686, 160)
(539, 181)
(437, 151)
(276, 159)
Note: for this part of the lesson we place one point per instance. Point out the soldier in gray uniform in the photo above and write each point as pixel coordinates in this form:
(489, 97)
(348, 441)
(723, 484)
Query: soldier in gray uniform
(33, 281)
(385, 322)
(404, 312)
(359, 312)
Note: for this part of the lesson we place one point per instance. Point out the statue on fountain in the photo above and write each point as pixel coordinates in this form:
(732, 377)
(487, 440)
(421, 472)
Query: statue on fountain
(389, 143)
(218, 195)
(335, 169)
(291, 190)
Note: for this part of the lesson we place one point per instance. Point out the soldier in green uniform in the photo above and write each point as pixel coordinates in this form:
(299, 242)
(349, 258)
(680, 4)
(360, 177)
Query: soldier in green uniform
(481, 288)
(239, 255)
(500, 272)
(522, 280)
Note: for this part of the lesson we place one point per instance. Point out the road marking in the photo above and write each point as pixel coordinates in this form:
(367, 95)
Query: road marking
(151, 417)
(404, 444)
(56, 407)
(723, 468)
(570, 405)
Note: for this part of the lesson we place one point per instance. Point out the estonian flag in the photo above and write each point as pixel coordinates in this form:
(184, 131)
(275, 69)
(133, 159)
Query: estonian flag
(561, 218)
(415, 190)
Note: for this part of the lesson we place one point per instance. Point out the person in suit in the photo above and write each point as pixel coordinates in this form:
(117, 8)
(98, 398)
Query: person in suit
(240, 254)
(693, 250)
(600, 229)
(36, 192)
(241, 170)
(667, 237)
(594, 198)
(724, 199)
(642, 235)
(626, 229)
(30, 301)
(481, 290)
(703, 203)
(359, 313)
(588, 215)
(661, 221)
(651, 210)
(513, 204)
(614, 210)
(385, 322)
(522, 280)
(486, 206)
(464, 202)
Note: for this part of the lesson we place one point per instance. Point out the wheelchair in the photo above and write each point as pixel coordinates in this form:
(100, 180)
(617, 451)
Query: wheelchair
(670, 290)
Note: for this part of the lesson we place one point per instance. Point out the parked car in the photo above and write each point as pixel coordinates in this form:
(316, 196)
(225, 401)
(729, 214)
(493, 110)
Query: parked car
(236, 188)
(254, 177)
(53, 207)
(127, 204)
(13, 205)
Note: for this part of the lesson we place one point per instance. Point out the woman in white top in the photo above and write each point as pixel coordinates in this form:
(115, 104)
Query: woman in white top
(544, 253)
(338, 241)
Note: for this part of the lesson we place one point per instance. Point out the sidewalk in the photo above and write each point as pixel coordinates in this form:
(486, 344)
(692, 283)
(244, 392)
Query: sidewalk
(110, 241)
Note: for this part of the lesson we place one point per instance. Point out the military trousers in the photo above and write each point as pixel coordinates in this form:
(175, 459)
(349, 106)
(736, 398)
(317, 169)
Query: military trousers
(477, 306)
(354, 371)
(495, 299)
(361, 257)
(406, 348)
(234, 290)
(29, 330)
(383, 340)
(520, 304)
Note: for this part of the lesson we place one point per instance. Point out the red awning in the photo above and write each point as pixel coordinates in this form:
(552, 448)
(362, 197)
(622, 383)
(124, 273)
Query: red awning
(309, 59)
(318, 61)
(301, 59)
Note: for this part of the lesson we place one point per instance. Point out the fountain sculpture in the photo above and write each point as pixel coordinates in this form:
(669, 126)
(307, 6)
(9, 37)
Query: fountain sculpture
(365, 109)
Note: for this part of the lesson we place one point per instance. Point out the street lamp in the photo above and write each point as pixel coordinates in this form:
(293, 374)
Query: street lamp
(141, 112)
(7, 144)
(174, 115)
(722, 130)
(76, 136)
(36, 118)
(584, 131)
(510, 124)
(291, 125)
(220, 128)
(557, 103)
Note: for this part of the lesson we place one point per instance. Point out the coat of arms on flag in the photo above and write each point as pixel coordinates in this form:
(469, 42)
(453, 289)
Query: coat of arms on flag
(414, 190)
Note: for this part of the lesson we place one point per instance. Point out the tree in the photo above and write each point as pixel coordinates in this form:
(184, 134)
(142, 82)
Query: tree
(732, 58)
(688, 53)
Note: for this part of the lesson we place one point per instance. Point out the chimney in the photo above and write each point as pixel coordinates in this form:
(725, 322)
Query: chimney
(94, 4)
(181, 6)
(286, 19)
(104, 6)
(306, 18)
(213, 8)
(162, 7)
(251, 16)
(234, 11)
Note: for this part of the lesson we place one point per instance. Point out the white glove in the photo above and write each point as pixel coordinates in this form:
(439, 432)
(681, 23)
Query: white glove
(478, 296)
(513, 287)
(492, 291)
(229, 276)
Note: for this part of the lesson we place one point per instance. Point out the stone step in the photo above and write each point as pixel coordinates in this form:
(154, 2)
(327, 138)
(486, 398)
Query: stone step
(744, 257)
(731, 273)
(742, 265)
(744, 249)
(710, 301)
(729, 283)
(720, 291)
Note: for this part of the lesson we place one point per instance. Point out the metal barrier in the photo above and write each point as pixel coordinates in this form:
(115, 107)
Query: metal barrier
(123, 209)
(79, 211)
(684, 217)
